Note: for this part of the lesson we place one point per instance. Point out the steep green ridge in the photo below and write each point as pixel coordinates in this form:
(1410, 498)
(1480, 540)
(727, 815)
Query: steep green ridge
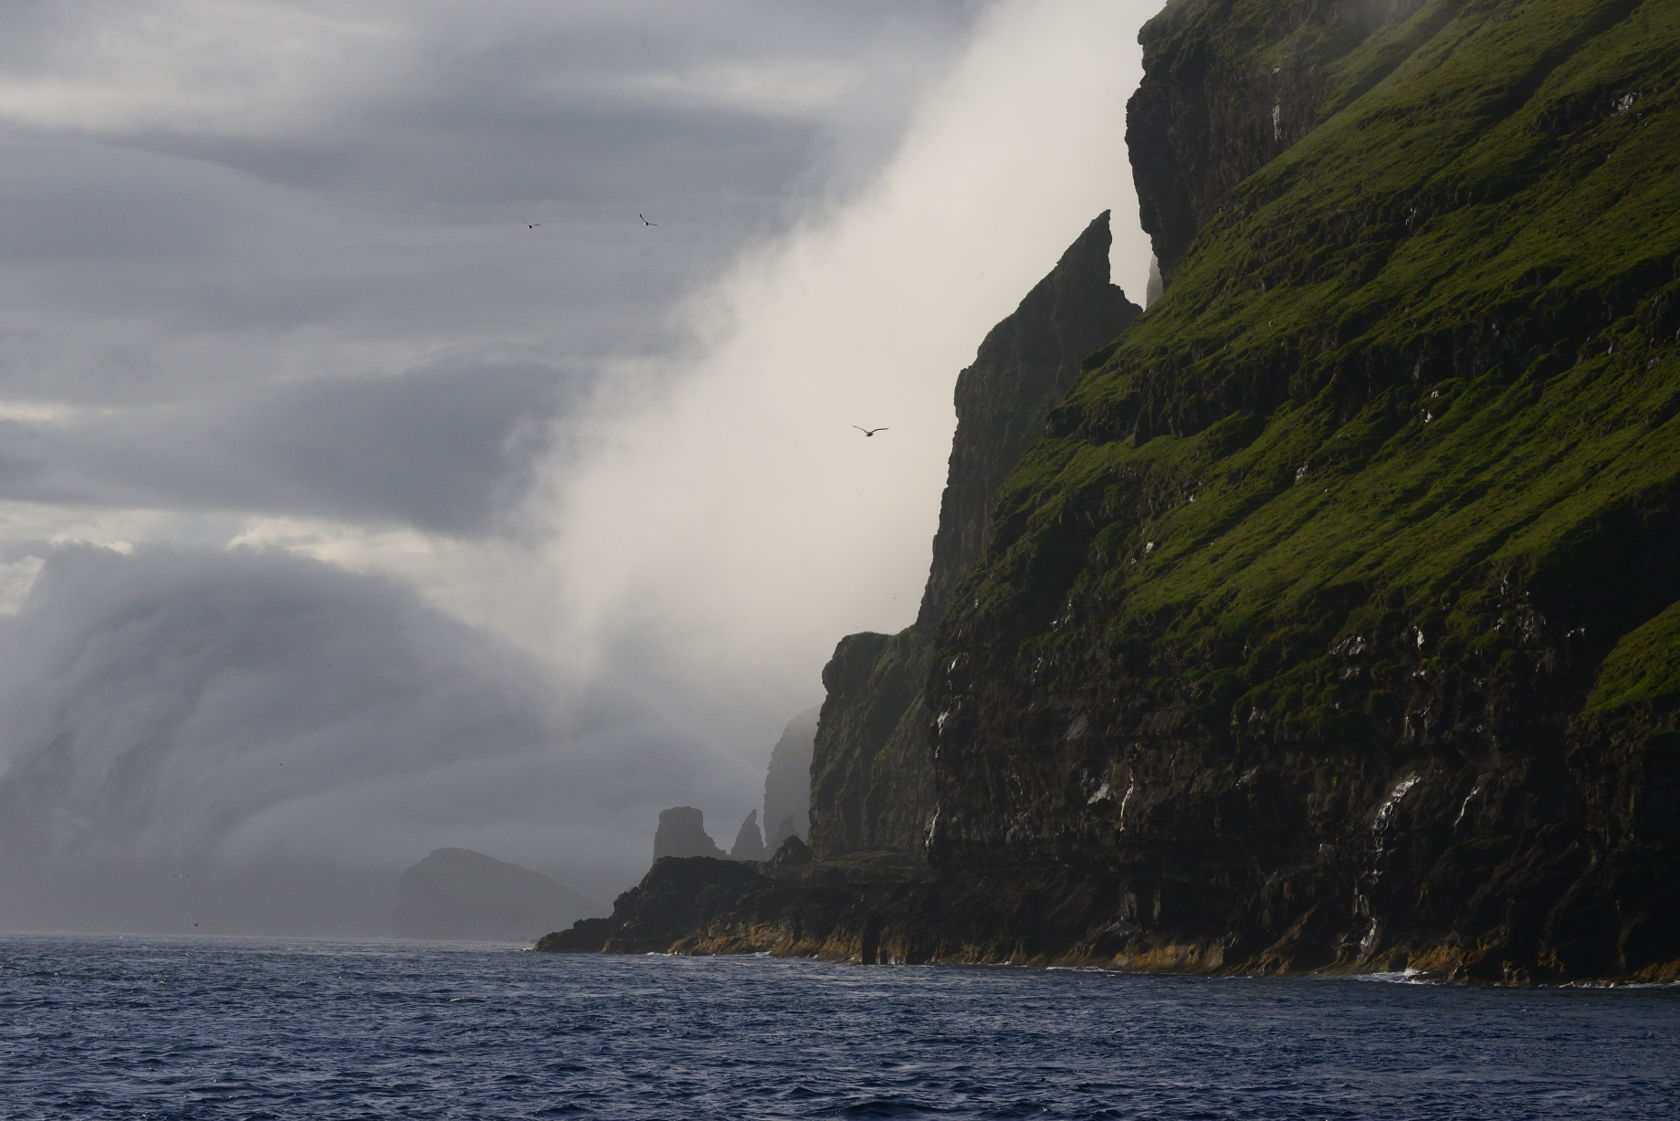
(1380, 505)
(1432, 344)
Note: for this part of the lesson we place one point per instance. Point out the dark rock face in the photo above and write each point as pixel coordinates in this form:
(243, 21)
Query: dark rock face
(749, 842)
(788, 905)
(465, 895)
(879, 907)
(871, 783)
(1024, 366)
(787, 782)
(1209, 113)
(682, 833)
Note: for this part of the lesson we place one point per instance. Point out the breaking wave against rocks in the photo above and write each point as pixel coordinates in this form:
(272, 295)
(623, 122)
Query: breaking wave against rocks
(175, 1028)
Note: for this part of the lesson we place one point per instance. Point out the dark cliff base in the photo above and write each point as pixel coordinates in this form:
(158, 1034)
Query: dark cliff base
(879, 908)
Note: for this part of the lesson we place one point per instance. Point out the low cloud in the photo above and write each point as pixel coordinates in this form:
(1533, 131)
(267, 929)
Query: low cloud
(248, 718)
(731, 524)
(203, 195)
(445, 449)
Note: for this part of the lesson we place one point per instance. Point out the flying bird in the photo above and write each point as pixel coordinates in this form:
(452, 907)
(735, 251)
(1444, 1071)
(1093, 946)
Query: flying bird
(532, 225)
(645, 222)
(868, 431)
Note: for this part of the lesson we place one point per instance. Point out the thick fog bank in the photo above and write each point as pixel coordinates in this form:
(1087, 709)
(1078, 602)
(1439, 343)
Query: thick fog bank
(252, 740)
(724, 519)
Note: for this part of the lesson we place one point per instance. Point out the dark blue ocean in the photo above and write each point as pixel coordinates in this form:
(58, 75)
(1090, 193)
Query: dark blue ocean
(142, 1027)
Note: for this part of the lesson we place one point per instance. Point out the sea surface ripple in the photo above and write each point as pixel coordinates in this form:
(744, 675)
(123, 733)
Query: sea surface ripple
(153, 1028)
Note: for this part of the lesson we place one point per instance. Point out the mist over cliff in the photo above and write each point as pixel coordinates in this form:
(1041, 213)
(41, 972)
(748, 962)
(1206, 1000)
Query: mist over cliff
(871, 782)
(261, 742)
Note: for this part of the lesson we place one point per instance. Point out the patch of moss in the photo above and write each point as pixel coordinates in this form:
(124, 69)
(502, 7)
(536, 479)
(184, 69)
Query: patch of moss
(1644, 666)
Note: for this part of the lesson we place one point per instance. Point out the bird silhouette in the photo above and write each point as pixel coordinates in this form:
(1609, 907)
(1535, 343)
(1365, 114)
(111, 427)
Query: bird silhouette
(868, 431)
(532, 225)
(645, 222)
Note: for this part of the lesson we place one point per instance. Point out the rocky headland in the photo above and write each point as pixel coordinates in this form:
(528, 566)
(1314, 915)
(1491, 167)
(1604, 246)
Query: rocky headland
(1326, 616)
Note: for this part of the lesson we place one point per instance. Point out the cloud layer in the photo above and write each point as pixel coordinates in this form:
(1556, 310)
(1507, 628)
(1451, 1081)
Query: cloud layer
(204, 194)
(446, 448)
(232, 717)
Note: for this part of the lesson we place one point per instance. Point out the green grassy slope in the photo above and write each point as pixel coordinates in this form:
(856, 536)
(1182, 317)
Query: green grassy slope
(1429, 349)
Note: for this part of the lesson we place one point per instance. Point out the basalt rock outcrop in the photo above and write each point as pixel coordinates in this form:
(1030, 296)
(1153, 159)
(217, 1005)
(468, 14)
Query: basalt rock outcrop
(682, 832)
(749, 842)
(1332, 620)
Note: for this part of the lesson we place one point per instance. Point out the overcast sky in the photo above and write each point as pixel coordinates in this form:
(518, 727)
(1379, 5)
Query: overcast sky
(355, 419)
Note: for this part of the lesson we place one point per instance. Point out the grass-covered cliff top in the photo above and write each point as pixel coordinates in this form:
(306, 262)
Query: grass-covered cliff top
(1419, 374)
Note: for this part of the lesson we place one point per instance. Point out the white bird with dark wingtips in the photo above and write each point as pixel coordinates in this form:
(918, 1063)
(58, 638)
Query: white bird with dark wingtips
(868, 431)
(645, 222)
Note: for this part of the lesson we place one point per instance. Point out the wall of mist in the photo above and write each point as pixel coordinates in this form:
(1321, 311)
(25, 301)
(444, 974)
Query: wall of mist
(726, 523)
(252, 740)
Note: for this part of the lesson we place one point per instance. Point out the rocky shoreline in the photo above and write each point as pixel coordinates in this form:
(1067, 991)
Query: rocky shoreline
(879, 909)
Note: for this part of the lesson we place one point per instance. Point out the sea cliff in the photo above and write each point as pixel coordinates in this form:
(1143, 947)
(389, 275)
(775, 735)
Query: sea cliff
(1330, 618)
(872, 783)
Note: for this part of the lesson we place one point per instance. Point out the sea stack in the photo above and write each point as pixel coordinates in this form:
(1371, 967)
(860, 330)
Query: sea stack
(749, 842)
(682, 832)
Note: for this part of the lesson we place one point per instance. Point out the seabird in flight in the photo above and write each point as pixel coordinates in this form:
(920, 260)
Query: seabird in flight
(868, 431)
(532, 225)
(645, 222)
